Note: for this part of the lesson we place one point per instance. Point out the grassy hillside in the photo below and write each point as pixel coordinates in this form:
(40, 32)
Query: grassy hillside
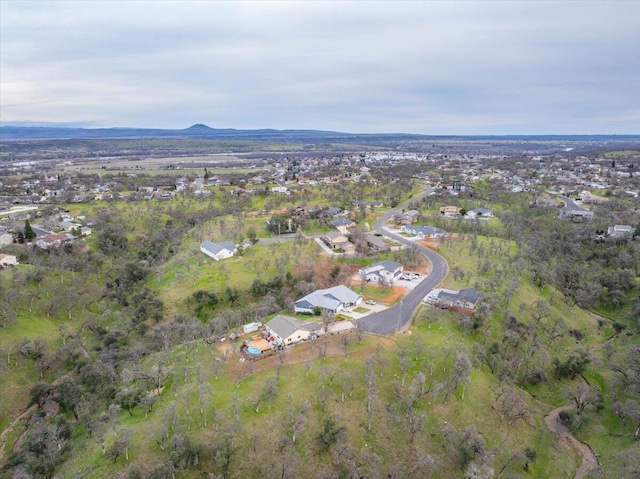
(115, 390)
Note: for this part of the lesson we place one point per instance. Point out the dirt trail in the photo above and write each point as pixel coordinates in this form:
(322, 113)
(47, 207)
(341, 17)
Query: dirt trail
(589, 459)
(24, 417)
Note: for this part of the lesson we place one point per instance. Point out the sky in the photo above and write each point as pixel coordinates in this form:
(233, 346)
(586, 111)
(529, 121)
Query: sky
(442, 68)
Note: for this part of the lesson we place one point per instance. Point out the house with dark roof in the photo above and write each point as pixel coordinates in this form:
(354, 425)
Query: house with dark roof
(376, 243)
(218, 251)
(287, 330)
(384, 272)
(343, 224)
(409, 217)
(423, 231)
(332, 212)
(448, 298)
(332, 300)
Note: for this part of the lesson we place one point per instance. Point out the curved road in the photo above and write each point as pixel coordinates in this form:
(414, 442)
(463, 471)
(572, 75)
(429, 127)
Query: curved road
(570, 204)
(399, 315)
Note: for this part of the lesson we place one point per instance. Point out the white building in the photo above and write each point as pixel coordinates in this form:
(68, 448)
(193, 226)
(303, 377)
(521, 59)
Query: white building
(218, 251)
(288, 330)
(333, 300)
(7, 260)
(382, 272)
(620, 231)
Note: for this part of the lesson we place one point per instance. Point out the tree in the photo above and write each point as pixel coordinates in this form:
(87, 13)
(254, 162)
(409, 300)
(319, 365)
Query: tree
(471, 446)
(459, 372)
(252, 235)
(129, 398)
(330, 433)
(231, 295)
(112, 238)
(530, 455)
(29, 234)
(573, 366)
(204, 299)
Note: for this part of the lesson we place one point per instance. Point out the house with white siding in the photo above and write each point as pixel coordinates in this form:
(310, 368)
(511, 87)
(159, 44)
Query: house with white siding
(287, 330)
(385, 272)
(332, 300)
(218, 251)
(423, 231)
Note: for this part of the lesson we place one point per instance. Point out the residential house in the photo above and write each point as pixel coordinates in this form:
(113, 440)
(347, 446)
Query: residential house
(450, 211)
(409, 217)
(448, 298)
(587, 197)
(343, 224)
(376, 243)
(423, 231)
(620, 231)
(337, 240)
(479, 212)
(367, 204)
(333, 300)
(218, 251)
(7, 260)
(281, 189)
(287, 330)
(576, 214)
(384, 272)
(52, 240)
(546, 203)
(332, 212)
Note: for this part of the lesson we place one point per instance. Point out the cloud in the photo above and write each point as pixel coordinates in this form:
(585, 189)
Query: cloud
(424, 67)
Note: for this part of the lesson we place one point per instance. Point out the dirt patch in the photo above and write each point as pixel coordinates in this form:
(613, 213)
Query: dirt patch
(566, 440)
(431, 243)
(397, 292)
(299, 353)
(435, 243)
(321, 272)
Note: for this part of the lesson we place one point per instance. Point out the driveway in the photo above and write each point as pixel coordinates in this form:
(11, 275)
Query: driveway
(399, 315)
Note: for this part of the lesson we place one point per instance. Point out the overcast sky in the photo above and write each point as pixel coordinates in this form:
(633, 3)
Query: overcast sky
(417, 67)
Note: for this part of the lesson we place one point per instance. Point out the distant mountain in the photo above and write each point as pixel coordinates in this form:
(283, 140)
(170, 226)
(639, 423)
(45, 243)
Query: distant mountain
(24, 131)
(195, 131)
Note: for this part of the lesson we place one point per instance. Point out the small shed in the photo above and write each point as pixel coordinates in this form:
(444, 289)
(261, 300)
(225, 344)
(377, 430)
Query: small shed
(251, 327)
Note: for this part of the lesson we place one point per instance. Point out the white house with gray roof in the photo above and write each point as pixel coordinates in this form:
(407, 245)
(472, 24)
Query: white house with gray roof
(218, 251)
(423, 231)
(463, 299)
(333, 300)
(288, 330)
(479, 212)
(386, 271)
(620, 231)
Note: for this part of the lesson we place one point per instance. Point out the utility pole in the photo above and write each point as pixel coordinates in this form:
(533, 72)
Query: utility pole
(399, 318)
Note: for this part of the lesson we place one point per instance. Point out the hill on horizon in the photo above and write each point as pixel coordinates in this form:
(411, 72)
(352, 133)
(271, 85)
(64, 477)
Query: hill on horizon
(40, 131)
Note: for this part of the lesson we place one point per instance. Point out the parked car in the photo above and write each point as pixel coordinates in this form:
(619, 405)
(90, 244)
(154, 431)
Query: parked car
(370, 301)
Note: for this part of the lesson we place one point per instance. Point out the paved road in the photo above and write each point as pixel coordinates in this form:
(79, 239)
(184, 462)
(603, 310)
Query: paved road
(570, 204)
(399, 315)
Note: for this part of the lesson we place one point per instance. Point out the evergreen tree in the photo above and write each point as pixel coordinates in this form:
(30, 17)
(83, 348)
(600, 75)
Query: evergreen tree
(29, 234)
